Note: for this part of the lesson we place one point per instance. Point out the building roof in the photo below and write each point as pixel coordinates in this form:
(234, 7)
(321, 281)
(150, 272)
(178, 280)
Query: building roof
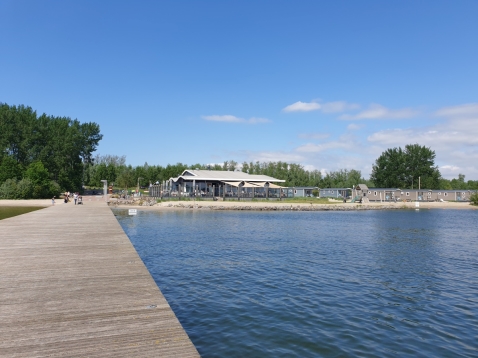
(386, 189)
(222, 175)
(335, 188)
(362, 187)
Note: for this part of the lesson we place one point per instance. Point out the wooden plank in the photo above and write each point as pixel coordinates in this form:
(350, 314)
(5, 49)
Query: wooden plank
(72, 285)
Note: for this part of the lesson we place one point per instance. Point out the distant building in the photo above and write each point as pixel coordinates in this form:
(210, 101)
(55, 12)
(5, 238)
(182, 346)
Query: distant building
(336, 193)
(391, 194)
(219, 183)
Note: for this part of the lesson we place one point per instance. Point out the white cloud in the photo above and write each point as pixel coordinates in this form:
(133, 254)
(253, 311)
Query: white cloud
(454, 138)
(317, 148)
(225, 118)
(338, 106)
(454, 141)
(464, 110)
(317, 136)
(328, 107)
(302, 107)
(353, 127)
(377, 111)
(233, 119)
(255, 120)
(271, 156)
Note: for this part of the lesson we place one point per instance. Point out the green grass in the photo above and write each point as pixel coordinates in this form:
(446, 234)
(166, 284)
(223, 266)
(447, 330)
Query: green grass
(9, 211)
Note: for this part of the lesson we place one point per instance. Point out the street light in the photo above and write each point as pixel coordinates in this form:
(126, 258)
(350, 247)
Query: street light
(138, 185)
(105, 188)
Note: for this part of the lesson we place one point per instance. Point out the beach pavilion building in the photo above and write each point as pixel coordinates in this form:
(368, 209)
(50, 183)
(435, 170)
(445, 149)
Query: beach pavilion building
(218, 183)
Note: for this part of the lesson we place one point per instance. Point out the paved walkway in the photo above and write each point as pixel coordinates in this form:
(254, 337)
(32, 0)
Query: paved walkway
(72, 285)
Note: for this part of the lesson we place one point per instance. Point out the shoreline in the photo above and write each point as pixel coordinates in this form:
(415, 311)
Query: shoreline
(249, 205)
(282, 206)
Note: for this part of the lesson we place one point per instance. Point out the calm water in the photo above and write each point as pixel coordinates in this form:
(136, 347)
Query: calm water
(9, 211)
(317, 284)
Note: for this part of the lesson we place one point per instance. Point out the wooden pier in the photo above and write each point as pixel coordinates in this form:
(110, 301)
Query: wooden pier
(72, 285)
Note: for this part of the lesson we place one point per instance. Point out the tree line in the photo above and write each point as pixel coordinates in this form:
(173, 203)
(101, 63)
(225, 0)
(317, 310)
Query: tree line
(43, 155)
(408, 168)
(115, 170)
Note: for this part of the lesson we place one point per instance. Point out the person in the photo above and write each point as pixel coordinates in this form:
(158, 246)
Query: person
(65, 197)
(53, 201)
(75, 197)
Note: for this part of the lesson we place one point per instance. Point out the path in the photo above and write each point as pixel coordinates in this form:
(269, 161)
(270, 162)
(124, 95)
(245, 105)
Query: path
(72, 285)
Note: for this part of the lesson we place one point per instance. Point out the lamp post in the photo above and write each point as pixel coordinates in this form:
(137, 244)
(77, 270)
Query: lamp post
(138, 185)
(105, 189)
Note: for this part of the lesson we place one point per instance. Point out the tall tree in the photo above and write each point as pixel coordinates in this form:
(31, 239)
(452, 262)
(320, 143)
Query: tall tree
(397, 168)
(61, 144)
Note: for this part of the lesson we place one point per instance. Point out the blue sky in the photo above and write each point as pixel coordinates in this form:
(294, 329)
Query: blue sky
(329, 85)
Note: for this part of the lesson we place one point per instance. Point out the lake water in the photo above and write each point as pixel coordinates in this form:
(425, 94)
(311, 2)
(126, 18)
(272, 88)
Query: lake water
(317, 284)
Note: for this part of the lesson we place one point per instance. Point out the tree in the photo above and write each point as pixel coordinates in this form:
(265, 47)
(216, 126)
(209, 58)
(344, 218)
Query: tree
(474, 199)
(64, 146)
(397, 168)
(39, 177)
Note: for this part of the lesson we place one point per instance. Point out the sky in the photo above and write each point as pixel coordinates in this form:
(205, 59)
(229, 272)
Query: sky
(326, 84)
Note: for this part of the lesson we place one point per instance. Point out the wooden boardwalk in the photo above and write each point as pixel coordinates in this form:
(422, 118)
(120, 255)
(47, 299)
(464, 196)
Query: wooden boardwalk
(72, 285)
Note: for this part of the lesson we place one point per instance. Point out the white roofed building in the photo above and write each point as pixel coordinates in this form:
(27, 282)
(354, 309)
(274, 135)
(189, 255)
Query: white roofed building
(221, 183)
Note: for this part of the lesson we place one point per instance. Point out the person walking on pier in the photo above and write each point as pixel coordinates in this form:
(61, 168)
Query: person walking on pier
(75, 197)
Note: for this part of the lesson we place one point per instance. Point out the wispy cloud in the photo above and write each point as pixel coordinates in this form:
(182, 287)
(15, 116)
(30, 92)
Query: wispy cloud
(453, 136)
(377, 111)
(455, 141)
(328, 107)
(302, 107)
(270, 156)
(233, 119)
(317, 148)
(317, 136)
(353, 127)
(464, 110)
(338, 106)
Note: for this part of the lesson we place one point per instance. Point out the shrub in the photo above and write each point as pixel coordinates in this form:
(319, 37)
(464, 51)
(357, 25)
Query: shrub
(27, 189)
(24, 189)
(8, 189)
(474, 198)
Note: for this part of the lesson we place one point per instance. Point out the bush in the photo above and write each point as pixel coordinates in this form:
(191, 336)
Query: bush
(8, 189)
(474, 198)
(26, 189)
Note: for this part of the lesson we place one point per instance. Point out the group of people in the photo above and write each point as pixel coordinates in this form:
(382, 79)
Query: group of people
(77, 198)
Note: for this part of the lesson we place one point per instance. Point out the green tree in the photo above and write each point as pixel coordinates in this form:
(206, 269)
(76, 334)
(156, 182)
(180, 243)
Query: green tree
(397, 168)
(39, 177)
(63, 145)
(474, 198)
(9, 168)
